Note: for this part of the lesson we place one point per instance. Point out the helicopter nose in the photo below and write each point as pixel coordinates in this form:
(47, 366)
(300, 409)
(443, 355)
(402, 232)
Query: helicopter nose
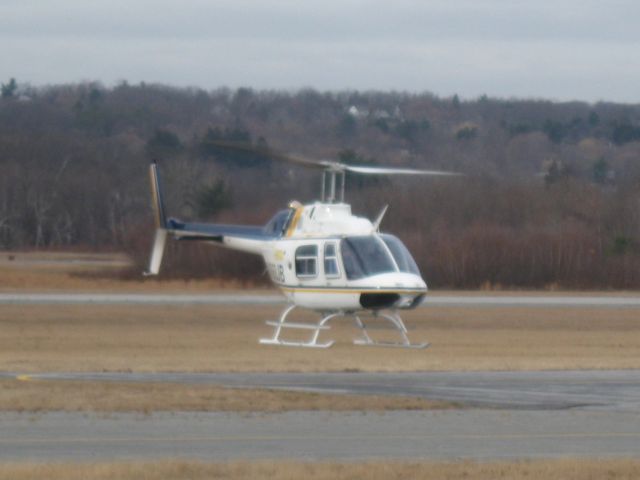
(396, 291)
(405, 281)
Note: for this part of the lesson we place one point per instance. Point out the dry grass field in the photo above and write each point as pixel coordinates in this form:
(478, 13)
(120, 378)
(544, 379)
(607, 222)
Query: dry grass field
(208, 338)
(90, 272)
(568, 469)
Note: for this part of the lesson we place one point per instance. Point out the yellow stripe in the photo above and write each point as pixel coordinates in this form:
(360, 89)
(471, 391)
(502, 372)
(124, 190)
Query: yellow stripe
(24, 378)
(326, 290)
(294, 222)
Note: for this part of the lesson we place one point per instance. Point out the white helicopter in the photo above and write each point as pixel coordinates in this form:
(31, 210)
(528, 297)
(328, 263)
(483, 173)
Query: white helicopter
(320, 255)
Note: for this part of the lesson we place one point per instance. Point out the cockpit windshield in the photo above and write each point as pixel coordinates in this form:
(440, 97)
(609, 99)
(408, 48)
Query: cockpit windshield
(370, 255)
(401, 255)
(278, 223)
(365, 256)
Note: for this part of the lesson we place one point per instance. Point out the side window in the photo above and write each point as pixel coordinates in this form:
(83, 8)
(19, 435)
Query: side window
(306, 261)
(331, 261)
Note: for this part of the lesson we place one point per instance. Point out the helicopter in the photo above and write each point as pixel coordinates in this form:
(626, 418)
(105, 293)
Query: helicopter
(321, 256)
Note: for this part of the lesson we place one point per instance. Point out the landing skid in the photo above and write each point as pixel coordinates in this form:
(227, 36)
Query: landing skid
(316, 328)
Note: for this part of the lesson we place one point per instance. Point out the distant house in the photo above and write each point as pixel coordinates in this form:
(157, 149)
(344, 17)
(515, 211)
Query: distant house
(356, 112)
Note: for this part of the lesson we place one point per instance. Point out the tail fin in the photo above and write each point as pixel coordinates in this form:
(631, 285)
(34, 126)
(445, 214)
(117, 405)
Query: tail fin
(158, 204)
(161, 222)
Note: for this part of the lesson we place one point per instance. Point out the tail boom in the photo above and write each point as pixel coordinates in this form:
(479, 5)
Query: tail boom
(238, 237)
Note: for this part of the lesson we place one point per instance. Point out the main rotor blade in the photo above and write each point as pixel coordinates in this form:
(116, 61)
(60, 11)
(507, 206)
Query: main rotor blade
(326, 164)
(295, 159)
(394, 171)
(269, 153)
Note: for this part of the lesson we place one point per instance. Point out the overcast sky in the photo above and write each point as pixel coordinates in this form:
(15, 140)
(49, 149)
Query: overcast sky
(557, 49)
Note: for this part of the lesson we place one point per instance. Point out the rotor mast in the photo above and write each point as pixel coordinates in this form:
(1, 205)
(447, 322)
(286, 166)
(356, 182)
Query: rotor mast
(333, 184)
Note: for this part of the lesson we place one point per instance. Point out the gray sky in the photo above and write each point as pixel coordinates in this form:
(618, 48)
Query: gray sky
(562, 49)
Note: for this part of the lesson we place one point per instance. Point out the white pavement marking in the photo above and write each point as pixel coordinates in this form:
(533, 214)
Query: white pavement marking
(137, 299)
(274, 299)
(533, 301)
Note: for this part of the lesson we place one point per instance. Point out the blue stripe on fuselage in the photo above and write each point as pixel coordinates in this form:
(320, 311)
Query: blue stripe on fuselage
(213, 230)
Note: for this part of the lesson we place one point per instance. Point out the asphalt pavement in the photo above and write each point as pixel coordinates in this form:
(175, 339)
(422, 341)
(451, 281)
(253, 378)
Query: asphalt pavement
(506, 415)
(341, 436)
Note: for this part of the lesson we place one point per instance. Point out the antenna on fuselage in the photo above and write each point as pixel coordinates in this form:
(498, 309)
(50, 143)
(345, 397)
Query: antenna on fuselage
(378, 220)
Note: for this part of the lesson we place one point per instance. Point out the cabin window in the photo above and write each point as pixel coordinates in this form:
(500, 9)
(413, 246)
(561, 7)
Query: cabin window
(306, 261)
(331, 261)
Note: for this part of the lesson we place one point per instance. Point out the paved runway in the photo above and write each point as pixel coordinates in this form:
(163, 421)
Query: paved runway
(471, 434)
(521, 415)
(473, 301)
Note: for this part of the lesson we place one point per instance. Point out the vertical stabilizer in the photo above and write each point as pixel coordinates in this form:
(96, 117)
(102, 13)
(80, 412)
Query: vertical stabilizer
(158, 203)
(157, 252)
(161, 222)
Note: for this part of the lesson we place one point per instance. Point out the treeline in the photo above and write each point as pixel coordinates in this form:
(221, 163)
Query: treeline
(551, 195)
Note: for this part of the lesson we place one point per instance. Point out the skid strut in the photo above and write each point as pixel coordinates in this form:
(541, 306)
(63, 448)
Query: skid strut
(282, 323)
(316, 328)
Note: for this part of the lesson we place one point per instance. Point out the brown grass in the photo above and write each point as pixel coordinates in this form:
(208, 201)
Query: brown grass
(84, 279)
(90, 272)
(209, 338)
(36, 395)
(566, 469)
